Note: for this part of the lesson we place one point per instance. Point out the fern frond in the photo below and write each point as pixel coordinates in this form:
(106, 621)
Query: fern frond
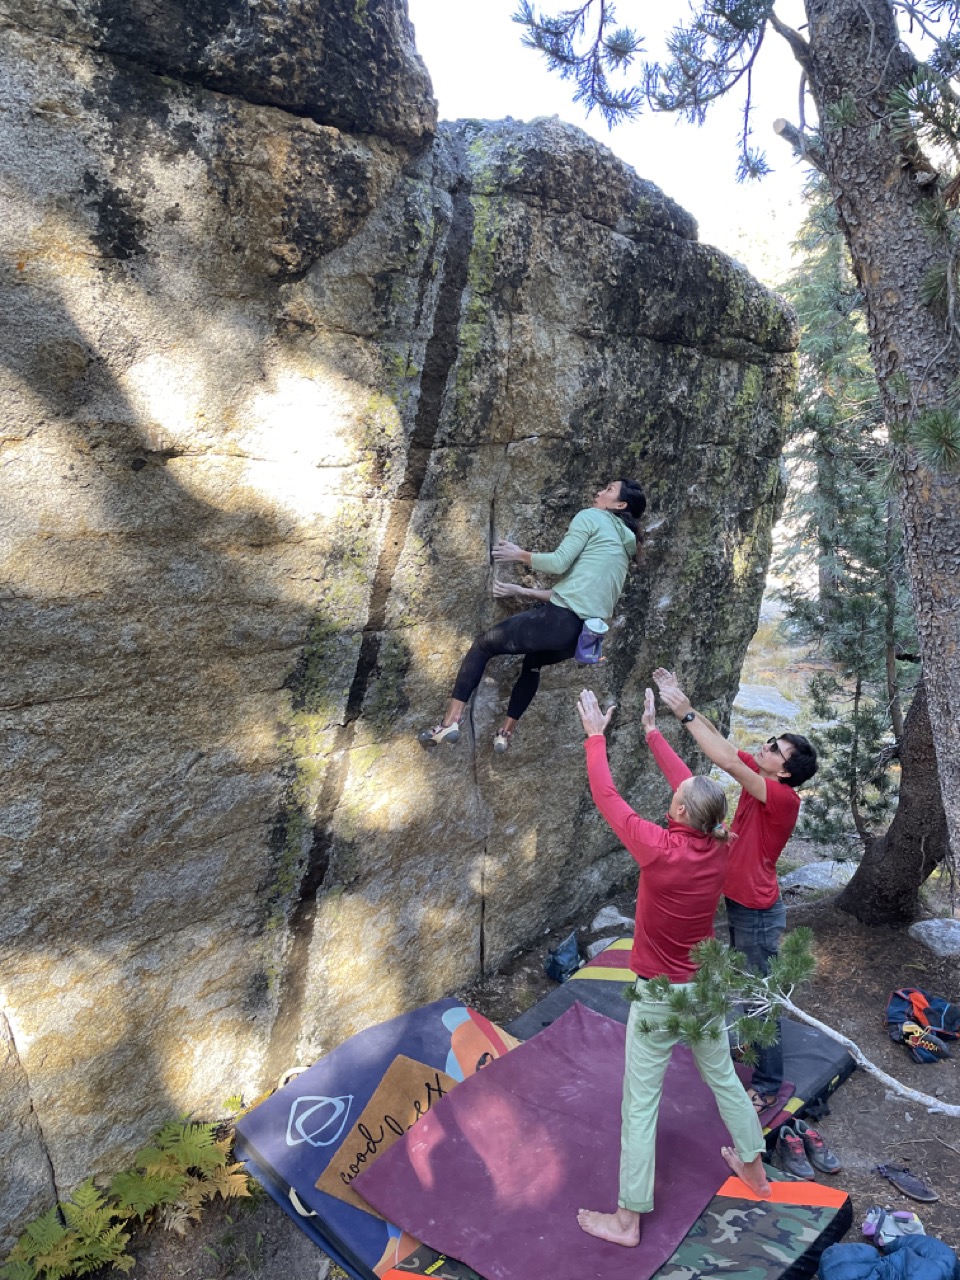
(16, 1269)
(137, 1193)
(177, 1217)
(193, 1146)
(228, 1181)
(87, 1211)
(193, 1195)
(154, 1160)
(108, 1249)
(43, 1233)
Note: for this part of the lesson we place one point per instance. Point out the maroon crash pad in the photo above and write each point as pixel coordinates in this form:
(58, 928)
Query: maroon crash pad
(494, 1173)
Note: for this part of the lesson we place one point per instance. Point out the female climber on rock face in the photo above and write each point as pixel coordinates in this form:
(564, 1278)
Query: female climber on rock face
(591, 567)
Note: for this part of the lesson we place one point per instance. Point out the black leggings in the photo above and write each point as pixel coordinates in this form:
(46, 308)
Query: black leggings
(546, 635)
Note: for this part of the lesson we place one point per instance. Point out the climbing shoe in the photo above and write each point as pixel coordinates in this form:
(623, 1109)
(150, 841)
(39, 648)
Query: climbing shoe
(502, 741)
(816, 1150)
(440, 733)
(793, 1158)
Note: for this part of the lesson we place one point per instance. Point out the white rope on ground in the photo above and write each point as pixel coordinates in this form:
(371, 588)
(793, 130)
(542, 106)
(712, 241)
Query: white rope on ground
(933, 1105)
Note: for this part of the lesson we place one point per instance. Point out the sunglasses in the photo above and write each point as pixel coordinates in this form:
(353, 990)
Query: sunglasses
(774, 745)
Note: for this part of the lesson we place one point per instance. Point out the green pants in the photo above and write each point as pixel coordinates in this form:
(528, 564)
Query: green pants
(648, 1054)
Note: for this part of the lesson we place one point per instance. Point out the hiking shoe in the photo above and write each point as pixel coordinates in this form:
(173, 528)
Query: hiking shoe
(502, 741)
(440, 733)
(907, 1182)
(793, 1158)
(817, 1151)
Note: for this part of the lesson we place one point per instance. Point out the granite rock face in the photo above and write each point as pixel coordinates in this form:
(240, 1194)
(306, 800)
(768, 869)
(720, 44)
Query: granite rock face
(277, 365)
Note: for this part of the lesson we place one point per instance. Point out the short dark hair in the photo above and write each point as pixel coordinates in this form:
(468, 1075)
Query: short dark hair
(803, 760)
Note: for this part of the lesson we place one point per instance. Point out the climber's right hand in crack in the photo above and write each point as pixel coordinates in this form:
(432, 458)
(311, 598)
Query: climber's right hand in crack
(509, 551)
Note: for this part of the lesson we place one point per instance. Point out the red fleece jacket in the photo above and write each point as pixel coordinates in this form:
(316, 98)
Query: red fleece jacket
(682, 870)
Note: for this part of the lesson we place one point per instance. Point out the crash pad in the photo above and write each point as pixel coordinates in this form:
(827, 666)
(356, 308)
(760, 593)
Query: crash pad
(495, 1172)
(814, 1065)
(308, 1142)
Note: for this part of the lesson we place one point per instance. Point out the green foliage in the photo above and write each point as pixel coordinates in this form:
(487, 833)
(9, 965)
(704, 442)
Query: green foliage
(186, 1164)
(706, 56)
(589, 60)
(712, 53)
(936, 438)
(841, 113)
(78, 1237)
(857, 789)
(924, 109)
(842, 568)
(935, 287)
(726, 995)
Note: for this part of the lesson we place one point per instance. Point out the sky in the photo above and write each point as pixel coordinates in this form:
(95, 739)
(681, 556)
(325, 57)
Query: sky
(480, 69)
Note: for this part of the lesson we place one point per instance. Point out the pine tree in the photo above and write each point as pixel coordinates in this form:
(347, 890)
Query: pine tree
(845, 539)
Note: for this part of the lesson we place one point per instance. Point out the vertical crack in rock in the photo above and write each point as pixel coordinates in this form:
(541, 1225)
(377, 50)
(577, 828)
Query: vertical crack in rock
(439, 358)
(6, 1032)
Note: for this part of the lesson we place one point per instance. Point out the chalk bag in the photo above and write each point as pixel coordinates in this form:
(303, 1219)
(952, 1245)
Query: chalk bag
(589, 644)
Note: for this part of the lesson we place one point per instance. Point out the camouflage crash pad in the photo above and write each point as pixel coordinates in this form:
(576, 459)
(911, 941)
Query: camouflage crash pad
(740, 1237)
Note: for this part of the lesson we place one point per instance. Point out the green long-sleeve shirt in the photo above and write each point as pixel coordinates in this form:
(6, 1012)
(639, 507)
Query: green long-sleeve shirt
(591, 561)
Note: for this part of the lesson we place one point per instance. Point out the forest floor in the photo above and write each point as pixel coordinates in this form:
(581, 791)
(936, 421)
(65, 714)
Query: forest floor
(857, 969)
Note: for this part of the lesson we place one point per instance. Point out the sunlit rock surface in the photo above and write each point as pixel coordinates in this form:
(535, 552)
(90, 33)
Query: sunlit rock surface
(277, 366)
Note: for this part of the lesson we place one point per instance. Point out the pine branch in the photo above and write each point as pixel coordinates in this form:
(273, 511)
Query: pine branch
(798, 46)
(802, 145)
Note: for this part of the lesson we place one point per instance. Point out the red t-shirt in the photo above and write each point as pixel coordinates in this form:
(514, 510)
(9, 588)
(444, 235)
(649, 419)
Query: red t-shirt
(683, 869)
(764, 830)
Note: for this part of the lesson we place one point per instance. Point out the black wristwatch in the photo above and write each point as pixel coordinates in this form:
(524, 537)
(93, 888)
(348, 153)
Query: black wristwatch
(691, 715)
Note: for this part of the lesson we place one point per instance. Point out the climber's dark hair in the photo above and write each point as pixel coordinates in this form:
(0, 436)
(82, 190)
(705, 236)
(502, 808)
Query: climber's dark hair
(632, 494)
(803, 760)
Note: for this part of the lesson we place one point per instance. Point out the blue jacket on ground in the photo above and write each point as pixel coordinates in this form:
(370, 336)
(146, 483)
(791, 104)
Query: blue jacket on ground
(908, 1258)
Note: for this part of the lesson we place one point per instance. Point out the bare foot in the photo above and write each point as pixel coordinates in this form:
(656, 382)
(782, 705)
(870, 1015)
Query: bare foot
(622, 1227)
(752, 1173)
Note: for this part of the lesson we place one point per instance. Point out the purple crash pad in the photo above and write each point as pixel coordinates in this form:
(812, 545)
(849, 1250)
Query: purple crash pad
(496, 1170)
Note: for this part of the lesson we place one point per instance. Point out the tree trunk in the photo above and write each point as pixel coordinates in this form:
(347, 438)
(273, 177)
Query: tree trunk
(853, 59)
(890, 617)
(885, 888)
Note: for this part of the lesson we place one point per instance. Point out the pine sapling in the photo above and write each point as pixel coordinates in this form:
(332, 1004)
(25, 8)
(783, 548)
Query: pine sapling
(726, 999)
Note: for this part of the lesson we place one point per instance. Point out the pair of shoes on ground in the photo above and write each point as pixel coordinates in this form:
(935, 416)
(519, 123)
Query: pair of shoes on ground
(450, 733)
(907, 1182)
(803, 1153)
